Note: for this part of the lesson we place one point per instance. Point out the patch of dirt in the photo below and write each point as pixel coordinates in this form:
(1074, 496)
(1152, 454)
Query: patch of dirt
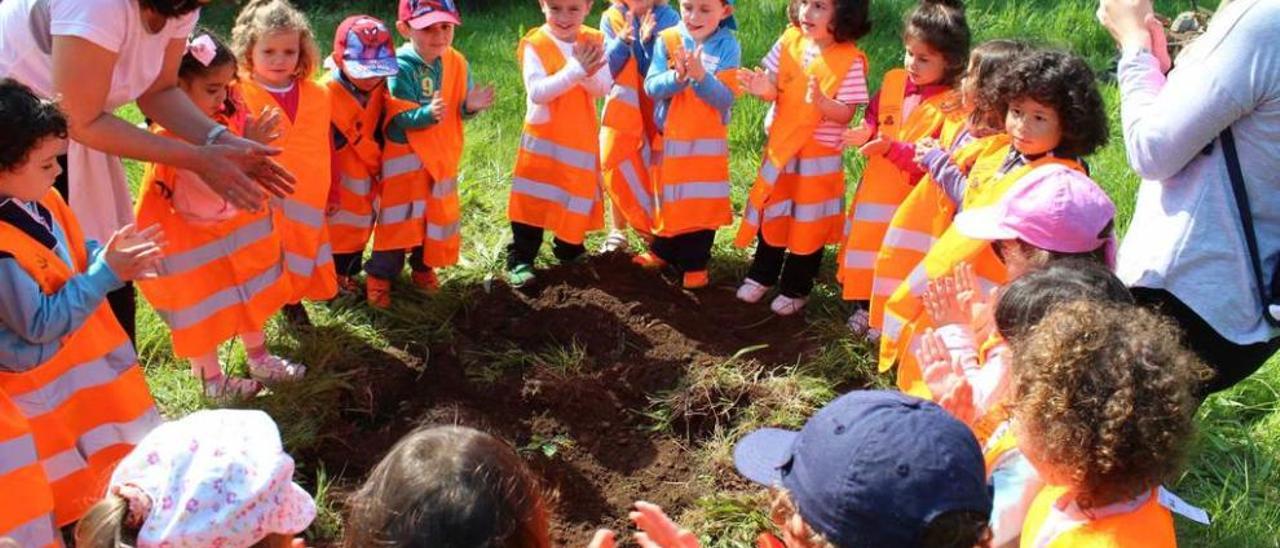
(566, 371)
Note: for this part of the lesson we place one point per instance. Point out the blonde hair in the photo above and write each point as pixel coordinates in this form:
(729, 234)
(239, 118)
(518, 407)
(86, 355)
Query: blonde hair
(103, 525)
(262, 17)
(782, 509)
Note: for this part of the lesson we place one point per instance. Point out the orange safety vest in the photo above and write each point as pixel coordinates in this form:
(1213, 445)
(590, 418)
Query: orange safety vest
(88, 405)
(1140, 522)
(904, 318)
(419, 201)
(216, 280)
(692, 186)
(884, 186)
(304, 232)
(359, 164)
(556, 183)
(628, 140)
(798, 196)
(26, 513)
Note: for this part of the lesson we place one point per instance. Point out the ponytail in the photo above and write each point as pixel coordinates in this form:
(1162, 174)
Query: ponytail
(103, 525)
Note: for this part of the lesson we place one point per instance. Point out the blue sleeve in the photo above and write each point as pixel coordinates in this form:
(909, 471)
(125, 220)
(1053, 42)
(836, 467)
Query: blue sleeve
(665, 18)
(711, 89)
(660, 84)
(616, 50)
(946, 174)
(407, 86)
(37, 318)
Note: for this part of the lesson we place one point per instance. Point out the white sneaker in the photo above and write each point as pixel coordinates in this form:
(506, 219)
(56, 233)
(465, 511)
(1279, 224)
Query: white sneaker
(274, 369)
(786, 306)
(224, 388)
(617, 241)
(751, 291)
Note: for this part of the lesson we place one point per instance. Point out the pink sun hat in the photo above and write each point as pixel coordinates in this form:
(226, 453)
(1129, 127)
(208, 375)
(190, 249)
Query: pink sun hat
(420, 14)
(1058, 209)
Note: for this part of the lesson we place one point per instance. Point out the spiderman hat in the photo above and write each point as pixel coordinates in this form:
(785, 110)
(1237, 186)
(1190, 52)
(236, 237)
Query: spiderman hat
(362, 48)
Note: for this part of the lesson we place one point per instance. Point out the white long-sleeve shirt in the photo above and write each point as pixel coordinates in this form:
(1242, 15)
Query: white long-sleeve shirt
(541, 88)
(1186, 236)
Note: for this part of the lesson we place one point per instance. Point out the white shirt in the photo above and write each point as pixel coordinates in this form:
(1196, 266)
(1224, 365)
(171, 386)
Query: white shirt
(541, 89)
(1186, 236)
(99, 190)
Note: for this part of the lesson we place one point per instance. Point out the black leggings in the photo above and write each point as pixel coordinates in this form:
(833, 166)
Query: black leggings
(793, 273)
(123, 301)
(1231, 362)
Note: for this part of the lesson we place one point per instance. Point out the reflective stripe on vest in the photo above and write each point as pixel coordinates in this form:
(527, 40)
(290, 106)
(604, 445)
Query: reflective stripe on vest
(627, 136)
(301, 218)
(796, 167)
(556, 182)
(72, 401)
(359, 163)
(26, 514)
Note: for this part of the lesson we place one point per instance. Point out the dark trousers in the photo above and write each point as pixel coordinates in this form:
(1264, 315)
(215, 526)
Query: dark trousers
(1231, 362)
(388, 264)
(348, 264)
(689, 252)
(526, 240)
(792, 273)
(123, 301)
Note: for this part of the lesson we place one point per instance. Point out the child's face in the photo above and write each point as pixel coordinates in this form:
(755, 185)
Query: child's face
(565, 17)
(924, 64)
(275, 57)
(639, 7)
(1034, 127)
(703, 17)
(33, 178)
(431, 42)
(1016, 257)
(209, 90)
(815, 19)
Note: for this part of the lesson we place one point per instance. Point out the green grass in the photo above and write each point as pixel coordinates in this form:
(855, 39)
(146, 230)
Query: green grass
(1232, 473)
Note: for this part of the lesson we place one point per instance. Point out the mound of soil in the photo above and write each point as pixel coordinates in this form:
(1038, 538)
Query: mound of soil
(566, 371)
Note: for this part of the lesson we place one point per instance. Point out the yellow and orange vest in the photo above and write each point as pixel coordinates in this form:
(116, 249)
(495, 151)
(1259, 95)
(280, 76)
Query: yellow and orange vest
(216, 281)
(88, 405)
(300, 217)
(556, 182)
(359, 164)
(884, 186)
(797, 200)
(691, 184)
(1141, 522)
(628, 140)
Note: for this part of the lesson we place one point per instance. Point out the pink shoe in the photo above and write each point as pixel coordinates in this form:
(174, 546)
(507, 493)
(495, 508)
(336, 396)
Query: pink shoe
(787, 306)
(751, 291)
(223, 388)
(274, 369)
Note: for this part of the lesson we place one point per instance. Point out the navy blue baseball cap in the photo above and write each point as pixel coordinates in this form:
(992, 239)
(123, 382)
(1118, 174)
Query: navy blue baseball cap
(872, 468)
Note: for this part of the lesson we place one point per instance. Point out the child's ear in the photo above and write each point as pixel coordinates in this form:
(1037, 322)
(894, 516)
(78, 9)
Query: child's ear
(728, 11)
(404, 30)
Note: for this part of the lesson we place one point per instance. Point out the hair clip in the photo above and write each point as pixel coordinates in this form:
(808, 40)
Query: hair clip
(203, 48)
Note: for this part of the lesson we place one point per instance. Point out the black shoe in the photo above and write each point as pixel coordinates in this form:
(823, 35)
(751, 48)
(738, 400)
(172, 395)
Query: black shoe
(296, 316)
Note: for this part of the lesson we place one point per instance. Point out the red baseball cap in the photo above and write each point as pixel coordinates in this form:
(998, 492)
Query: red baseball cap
(362, 47)
(420, 14)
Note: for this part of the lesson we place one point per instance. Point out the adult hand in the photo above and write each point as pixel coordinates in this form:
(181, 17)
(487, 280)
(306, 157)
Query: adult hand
(240, 170)
(263, 128)
(875, 147)
(134, 254)
(1126, 21)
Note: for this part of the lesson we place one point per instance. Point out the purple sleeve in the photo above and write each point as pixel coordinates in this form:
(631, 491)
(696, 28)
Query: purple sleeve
(903, 156)
(947, 174)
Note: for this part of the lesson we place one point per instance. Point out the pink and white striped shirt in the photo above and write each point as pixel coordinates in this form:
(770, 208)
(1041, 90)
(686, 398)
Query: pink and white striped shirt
(852, 91)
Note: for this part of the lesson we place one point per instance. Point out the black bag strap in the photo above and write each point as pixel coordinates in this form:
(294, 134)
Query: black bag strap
(1246, 218)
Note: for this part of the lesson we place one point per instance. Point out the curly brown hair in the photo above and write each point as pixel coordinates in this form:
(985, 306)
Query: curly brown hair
(985, 62)
(851, 22)
(1064, 82)
(261, 17)
(1105, 393)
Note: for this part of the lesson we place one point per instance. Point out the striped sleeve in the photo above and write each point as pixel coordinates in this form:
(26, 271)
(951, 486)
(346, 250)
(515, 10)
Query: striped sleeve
(770, 62)
(853, 89)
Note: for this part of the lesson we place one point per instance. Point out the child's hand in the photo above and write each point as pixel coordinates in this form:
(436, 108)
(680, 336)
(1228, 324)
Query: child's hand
(979, 304)
(923, 146)
(813, 93)
(875, 147)
(438, 106)
(134, 254)
(942, 304)
(657, 530)
(479, 99)
(628, 33)
(680, 64)
(590, 55)
(264, 127)
(857, 136)
(648, 25)
(693, 65)
(945, 378)
(756, 82)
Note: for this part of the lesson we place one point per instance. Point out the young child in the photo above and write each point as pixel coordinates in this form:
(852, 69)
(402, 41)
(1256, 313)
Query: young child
(278, 53)
(1053, 115)
(212, 478)
(363, 58)
(973, 381)
(556, 181)
(627, 129)
(930, 205)
(430, 96)
(914, 103)
(815, 76)
(694, 77)
(213, 247)
(1105, 407)
(872, 468)
(479, 493)
(66, 365)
